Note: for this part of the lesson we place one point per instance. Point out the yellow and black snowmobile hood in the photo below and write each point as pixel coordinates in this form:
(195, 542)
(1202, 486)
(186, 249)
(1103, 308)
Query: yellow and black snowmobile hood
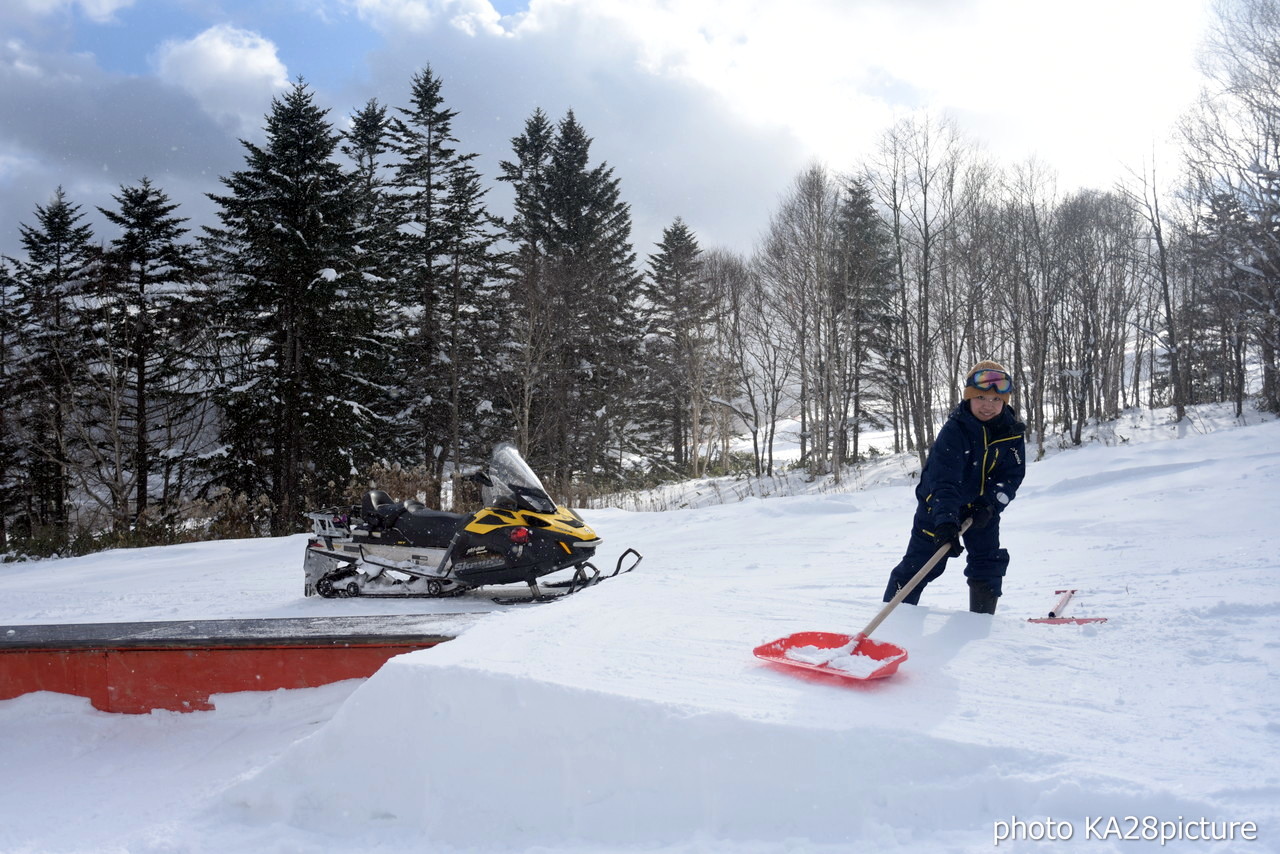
(564, 522)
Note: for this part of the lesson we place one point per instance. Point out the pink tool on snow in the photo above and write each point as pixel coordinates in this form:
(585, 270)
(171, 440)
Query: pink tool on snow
(1056, 617)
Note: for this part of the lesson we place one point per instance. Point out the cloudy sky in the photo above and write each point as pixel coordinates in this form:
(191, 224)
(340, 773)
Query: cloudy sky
(706, 109)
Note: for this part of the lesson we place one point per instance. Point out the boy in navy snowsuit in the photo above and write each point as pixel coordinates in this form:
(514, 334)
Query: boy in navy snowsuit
(973, 471)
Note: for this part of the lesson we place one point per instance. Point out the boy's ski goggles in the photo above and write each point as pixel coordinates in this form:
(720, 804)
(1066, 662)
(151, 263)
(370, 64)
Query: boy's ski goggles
(989, 380)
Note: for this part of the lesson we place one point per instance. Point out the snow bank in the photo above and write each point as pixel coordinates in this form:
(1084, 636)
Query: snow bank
(79, 780)
(496, 763)
(493, 762)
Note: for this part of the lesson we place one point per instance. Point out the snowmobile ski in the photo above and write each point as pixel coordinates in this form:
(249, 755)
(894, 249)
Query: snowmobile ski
(385, 548)
(584, 575)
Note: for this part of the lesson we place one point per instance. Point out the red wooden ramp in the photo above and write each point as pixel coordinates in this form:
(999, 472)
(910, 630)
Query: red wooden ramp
(137, 667)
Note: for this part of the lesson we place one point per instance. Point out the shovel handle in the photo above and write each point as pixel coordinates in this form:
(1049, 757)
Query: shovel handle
(906, 589)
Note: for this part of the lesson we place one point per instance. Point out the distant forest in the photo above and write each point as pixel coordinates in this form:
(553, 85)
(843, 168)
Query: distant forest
(356, 315)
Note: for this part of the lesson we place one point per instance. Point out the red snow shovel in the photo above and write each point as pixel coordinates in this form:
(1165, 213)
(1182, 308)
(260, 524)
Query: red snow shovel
(850, 656)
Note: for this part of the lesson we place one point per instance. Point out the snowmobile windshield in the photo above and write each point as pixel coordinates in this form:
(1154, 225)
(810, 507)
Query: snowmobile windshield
(513, 481)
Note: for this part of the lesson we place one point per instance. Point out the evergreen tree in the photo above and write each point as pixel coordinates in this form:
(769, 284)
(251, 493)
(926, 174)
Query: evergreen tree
(863, 293)
(1226, 299)
(367, 143)
(145, 383)
(441, 262)
(49, 296)
(589, 315)
(295, 409)
(680, 363)
(527, 309)
(471, 336)
(10, 449)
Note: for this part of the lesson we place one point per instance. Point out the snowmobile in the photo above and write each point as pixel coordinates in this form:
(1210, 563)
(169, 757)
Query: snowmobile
(403, 549)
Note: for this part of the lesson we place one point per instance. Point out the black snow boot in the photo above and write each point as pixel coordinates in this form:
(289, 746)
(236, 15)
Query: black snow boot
(981, 599)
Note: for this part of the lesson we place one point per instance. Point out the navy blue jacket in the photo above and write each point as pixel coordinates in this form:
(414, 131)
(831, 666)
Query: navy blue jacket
(972, 463)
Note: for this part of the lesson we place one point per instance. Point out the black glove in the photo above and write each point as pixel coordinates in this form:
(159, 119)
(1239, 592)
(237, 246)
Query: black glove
(948, 532)
(981, 514)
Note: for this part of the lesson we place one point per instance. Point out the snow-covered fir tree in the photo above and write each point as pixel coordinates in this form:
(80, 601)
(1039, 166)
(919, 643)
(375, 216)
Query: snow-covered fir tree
(367, 143)
(473, 335)
(145, 387)
(574, 237)
(679, 357)
(1224, 302)
(527, 311)
(442, 265)
(295, 409)
(862, 294)
(10, 449)
(50, 359)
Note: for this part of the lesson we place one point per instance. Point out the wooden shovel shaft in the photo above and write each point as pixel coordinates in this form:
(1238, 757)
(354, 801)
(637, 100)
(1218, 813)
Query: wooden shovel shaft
(906, 589)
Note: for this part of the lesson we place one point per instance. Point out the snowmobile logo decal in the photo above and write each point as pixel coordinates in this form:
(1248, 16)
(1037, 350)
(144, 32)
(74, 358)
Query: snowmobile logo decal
(469, 563)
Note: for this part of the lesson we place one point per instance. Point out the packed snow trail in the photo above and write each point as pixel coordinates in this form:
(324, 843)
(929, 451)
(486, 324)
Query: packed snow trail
(633, 716)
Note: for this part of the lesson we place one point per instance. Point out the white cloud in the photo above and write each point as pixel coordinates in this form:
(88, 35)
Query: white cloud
(100, 11)
(1087, 87)
(18, 62)
(13, 163)
(103, 10)
(1084, 85)
(469, 16)
(232, 73)
(108, 130)
(675, 145)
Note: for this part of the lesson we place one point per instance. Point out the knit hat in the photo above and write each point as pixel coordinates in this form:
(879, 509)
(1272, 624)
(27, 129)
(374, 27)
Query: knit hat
(970, 391)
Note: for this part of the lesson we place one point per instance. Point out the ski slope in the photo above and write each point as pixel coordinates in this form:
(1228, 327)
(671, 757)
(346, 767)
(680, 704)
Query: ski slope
(633, 718)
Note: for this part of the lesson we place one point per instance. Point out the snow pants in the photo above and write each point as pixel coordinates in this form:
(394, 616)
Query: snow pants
(986, 561)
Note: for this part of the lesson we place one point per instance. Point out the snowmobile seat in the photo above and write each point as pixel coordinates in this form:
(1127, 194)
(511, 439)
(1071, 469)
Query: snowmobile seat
(374, 501)
(429, 528)
(419, 525)
(379, 510)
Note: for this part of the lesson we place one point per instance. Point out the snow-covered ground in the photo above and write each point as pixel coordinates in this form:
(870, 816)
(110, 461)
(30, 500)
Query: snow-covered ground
(633, 717)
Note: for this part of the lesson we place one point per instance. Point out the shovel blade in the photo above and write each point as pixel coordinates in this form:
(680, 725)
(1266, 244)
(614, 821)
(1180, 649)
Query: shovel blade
(846, 656)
